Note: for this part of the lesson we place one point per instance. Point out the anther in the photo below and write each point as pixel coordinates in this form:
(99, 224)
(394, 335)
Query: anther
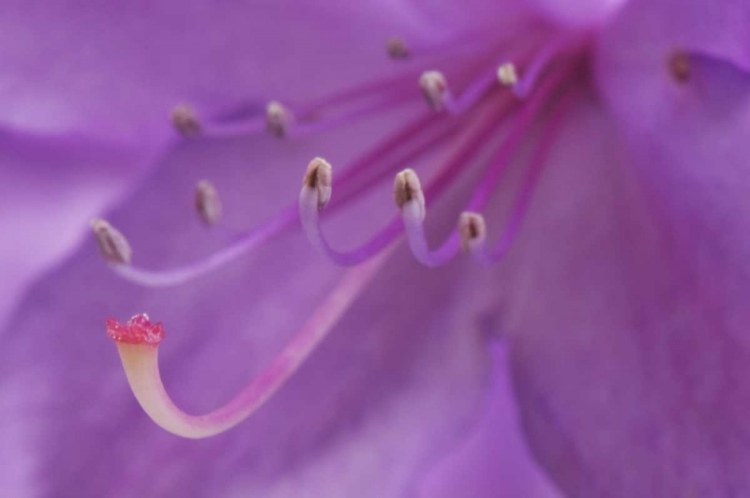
(185, 121)
(207, 203)
(679, 66)
(112, 244)
(407, 192)
(278, 119)
(397, 48)
(319, 177)
(472, 230)
(435, 90)
(507, 75)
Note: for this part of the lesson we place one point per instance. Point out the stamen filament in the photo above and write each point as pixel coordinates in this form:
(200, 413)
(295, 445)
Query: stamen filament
(141, 365)
(477, 248)
(304, 129)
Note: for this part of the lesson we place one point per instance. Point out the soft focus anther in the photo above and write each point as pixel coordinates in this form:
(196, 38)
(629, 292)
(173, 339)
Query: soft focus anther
(112, 244)
(185, 121)
(319, 177)
(472, 230)
(507, 75)
(397, 48)
(278, 119)
(679, 66)
(207, 202)
(408, 194)
(435, 89)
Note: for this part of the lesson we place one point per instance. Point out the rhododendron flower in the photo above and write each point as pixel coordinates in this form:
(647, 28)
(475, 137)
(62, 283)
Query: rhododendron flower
(562, 177)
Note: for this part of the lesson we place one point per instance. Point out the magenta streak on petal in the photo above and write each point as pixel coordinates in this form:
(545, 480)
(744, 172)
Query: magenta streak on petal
(451, 247)
(521, 205)
(382, 91)
(325, 113)
(140, 362)
(303, 129)
(287, 218)
(308, 206)
(466, 42)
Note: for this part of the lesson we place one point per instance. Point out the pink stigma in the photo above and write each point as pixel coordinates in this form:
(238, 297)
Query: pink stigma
(138, 330)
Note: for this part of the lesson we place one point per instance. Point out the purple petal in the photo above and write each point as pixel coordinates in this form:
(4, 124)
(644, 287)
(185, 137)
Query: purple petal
(630, 298)
(578, 13)
(494, 460)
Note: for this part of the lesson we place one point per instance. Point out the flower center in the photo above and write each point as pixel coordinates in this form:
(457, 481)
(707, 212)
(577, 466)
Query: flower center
(483, 104)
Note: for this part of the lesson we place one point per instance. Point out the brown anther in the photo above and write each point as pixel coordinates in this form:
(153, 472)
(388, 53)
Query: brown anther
(207, 202)
(319, 176)
(397, 48)
(472, 230)
(679, 66)
(407, 188)
(435, 89)
(112, 244)
(278, 119)
(507, 75)
(185, 121)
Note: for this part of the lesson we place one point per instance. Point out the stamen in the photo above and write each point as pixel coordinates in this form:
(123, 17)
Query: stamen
(472, 230)
(207, 203)
(410, 200)
(397, 49)
(138, 341)
(185, 121)
(317, 182)
(435, 90)
(407, 192)
(415, 234)
(112, 244)
(469, 141)
(278, 119)
(354, 180)
(507, 75)
(309, 210)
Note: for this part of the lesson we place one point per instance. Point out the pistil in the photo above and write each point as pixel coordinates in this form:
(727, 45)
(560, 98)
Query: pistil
(138, 345)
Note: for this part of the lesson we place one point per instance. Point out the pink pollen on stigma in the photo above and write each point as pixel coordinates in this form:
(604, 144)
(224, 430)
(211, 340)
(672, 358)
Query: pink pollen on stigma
(138, 330)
